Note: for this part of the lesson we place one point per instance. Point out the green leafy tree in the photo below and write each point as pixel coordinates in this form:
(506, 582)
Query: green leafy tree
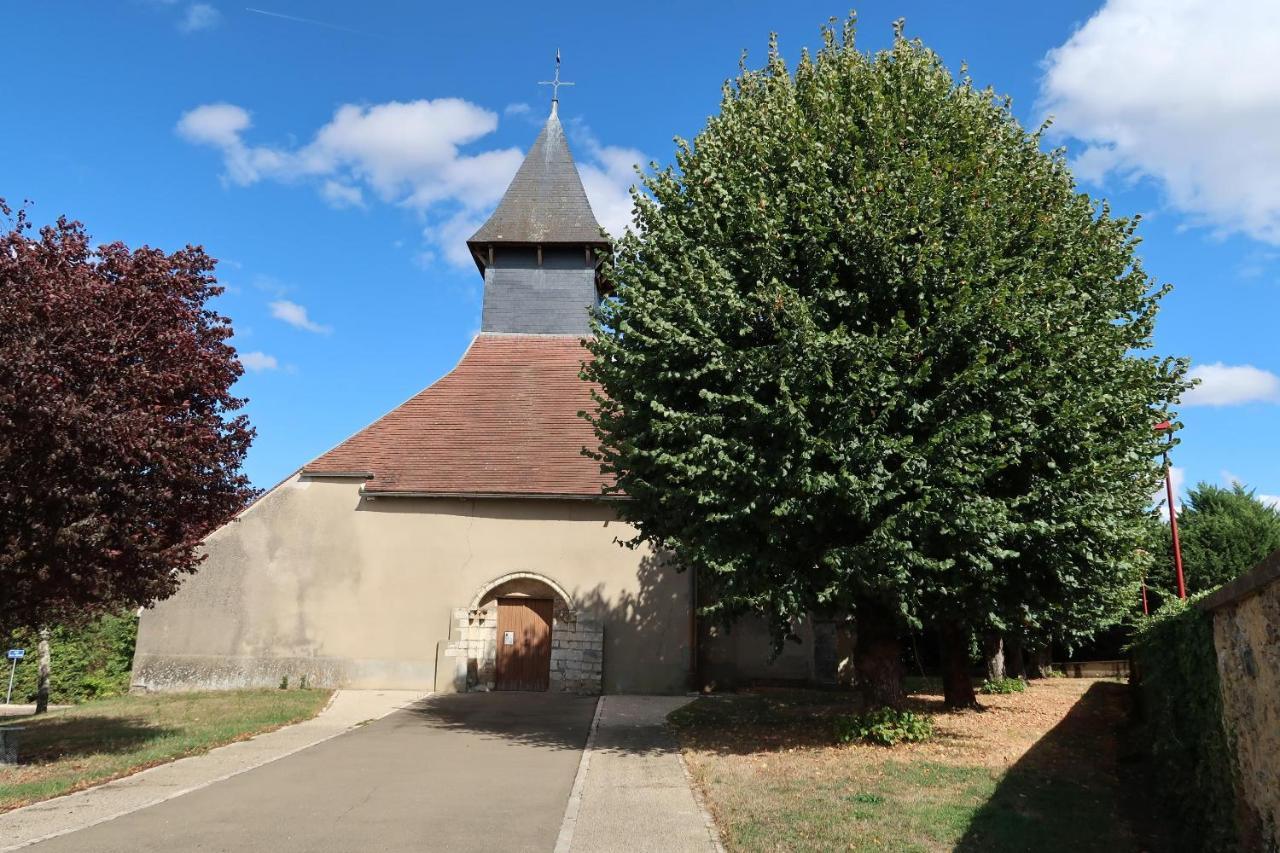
(870, 351)
(1224, 532)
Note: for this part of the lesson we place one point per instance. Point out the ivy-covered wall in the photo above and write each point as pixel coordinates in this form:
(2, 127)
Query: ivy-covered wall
(1182, 708)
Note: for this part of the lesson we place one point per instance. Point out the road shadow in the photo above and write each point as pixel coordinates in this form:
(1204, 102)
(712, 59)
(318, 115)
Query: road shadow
(54, 738)
(556, 721)
(1080, 787)
(547, 720)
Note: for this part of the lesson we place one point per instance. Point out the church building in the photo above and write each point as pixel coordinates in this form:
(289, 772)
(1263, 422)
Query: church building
(462, 541)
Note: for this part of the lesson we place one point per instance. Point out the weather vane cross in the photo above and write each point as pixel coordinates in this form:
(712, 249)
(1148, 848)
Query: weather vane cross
(555, 83)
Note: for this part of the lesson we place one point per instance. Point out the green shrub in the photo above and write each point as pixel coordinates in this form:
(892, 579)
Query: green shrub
(884, 726)
(1182, 708)
(86, 662)
(1003, 685)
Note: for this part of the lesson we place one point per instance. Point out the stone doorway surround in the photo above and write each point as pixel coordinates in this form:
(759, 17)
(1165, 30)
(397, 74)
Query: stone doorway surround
(468, 660)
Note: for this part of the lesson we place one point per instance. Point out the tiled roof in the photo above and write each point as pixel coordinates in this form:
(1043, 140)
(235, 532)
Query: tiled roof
(504, 421)
(545, 202)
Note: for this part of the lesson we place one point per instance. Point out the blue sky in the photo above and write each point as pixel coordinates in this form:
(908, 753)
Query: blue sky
(334, 156)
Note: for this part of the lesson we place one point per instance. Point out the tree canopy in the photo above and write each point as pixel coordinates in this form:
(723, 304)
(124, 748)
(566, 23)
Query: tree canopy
(1224, 532)
(871, 349)
(119, 443)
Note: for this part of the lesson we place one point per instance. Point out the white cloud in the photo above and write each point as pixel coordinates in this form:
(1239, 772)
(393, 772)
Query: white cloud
(219, 125)
(342, 195)
(199, 16)
(296, 315)
(517, 109)
(608, 186)
(1161, 496)
(450, 236)
(1184, 92)
(607, 176)
(258, 361)
(404, 152)
(1270, 500)
(408, 154)
(1229, 385)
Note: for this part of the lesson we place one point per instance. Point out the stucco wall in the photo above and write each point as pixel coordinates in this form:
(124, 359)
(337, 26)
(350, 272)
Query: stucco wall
(742, 655)
(1246, 635)
(315, 581)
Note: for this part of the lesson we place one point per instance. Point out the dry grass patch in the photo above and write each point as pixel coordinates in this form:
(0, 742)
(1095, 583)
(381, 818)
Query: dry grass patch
(1036, 770)
(66, 750)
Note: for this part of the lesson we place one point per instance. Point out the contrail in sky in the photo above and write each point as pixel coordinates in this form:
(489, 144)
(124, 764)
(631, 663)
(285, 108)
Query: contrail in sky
(304, 20)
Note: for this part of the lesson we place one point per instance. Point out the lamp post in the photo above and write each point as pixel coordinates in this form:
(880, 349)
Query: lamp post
(1165, 426)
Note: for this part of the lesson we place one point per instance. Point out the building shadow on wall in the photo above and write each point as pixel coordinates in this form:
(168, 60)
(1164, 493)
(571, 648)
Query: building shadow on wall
(648, 634)
(1083, 786)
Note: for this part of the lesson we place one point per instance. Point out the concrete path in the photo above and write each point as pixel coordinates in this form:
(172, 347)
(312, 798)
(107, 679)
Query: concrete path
(466, 772)
(25, 710)
(91, 807)
(471, 772)
(633, 792)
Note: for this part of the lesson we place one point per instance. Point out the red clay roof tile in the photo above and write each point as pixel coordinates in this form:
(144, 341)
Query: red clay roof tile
(504, 421)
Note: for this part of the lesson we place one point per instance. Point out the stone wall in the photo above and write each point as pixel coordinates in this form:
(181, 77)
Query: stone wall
(577, 651)
(1246, 635)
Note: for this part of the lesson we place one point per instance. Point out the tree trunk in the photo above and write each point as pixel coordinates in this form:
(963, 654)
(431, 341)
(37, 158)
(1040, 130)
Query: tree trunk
(993, 656)
(957, 685)
(878, 657)
(1014, 666)
(1039, 667)
(42, 683)
(846, 649)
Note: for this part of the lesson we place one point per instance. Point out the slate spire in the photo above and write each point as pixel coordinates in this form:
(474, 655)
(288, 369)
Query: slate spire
(545, 205)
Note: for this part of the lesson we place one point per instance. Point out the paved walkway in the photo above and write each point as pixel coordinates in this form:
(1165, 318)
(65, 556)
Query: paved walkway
(471, 772)
(633, 792)
(467, 772)
(25, 710)
(103, 803)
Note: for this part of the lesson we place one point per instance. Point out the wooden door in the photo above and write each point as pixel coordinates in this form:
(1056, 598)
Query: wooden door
(524, 643)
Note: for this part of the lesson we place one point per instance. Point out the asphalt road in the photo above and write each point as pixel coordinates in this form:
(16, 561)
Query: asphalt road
(457, 773)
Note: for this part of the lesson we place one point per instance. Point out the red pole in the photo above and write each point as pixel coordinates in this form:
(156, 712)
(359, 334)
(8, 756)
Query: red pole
(1173, 524)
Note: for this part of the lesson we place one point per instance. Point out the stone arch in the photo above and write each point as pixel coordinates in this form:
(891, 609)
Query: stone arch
(577, 639)
(503, 580)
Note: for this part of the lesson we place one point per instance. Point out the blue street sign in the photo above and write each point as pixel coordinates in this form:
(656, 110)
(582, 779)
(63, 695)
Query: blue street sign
(17, 654)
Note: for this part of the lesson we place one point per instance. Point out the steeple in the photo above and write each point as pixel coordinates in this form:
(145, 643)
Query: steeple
(540, 250)
(545, 203)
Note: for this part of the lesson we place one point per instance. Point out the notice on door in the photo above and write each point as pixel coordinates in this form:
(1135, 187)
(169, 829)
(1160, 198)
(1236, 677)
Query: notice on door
(508, 638)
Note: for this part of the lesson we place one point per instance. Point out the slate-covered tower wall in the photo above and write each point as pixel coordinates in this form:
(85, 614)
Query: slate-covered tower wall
(540, 250)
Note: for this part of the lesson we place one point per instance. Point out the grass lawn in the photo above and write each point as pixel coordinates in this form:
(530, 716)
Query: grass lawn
(1043, 770)
(66, 750)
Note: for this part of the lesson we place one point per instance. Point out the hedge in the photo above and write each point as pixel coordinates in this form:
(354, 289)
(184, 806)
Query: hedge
(84, 663)
(1182, 708)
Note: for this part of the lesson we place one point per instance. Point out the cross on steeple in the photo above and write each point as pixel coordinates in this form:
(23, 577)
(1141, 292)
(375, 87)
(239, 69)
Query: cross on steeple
(555, 84)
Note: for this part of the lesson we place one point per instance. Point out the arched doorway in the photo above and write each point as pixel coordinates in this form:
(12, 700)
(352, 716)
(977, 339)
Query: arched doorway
(526, 608)
(523, 631)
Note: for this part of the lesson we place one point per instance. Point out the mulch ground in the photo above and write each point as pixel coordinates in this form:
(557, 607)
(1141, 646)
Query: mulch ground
(1047, 769)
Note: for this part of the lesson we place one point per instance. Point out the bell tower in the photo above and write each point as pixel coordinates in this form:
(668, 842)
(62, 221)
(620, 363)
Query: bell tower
(540, 250)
